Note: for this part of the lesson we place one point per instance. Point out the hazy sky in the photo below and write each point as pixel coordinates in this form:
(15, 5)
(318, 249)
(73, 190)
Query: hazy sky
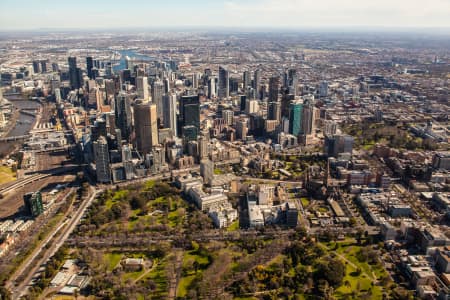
(36, 14)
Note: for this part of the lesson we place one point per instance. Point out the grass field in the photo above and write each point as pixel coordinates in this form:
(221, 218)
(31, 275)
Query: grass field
(112, 259)
(6, 175)
(357, 284)
(234, 226)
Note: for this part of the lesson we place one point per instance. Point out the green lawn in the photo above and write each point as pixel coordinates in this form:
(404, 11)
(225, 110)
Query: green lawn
(159, 277)
(352, 281)
(183, 285)
(133, 275)
(176, 217)
(234, 226)
(112, 260)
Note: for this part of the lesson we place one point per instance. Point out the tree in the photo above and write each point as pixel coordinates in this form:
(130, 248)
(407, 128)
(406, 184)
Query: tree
(331, 270)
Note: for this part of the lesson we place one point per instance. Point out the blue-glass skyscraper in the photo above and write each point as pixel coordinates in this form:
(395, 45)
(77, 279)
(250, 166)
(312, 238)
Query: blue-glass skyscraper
(295, 118)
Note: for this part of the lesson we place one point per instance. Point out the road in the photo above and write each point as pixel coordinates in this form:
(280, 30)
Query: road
(66, 227)
(275, 181)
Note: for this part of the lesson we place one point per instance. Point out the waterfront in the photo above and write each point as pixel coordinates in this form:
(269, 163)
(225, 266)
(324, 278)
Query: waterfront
(132, 54)
(23, 125)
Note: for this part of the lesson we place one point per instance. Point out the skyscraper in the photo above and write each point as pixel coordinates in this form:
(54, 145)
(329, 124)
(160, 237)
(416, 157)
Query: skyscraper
(157, 95)
(33, 204)
(145, 119)
(89, 67)
(224, 83)
(256, 82)
(274, 88)
(243, 102)
(207, 171)
(142, 87)
(212, 87)
(166, 83)
(43, 66)
(203, 149)
(274, 111)
(74, 73)
(292, 81)
(246, 80)
(323, 89)
(228, 115)
(242, 129)
(36, 67)
(102, 165)
(190, 111)
(308, 118)
(295, 117)
(170, 112)
(123, 114)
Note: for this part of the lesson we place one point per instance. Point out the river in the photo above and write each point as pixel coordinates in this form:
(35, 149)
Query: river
(23, 125)
(131, 54)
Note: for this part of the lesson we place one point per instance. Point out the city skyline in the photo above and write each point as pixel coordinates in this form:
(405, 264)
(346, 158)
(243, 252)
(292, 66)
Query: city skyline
(207, 15)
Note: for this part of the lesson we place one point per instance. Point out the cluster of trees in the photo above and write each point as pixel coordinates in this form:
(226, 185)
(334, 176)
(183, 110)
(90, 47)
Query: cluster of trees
(134, 197)
(304, 269)
(395, 137)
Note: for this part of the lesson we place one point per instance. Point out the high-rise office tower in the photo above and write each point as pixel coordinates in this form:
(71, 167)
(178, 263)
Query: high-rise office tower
(234, 85)
(212, 87)
(142, 87)
(102, 163)
(242, 129)
(207, 170)
(274, 88)
(295, 118)
(55, 67)
(203, 142)
(36, 67)
(252, 106)
(190, 111)
(146, 124)
(74, 73)
(224, 83)
(195, 80)
(129, 64)
(285, 104)
(292, 81)
(166, 83)
(90, 66)
(274, 111)
(256, 82)
(337, 144)
(157, 95)
(323, 89)
(247, 80)
(123, 114)
(228, 115)
(330, 128)
(33, 203)
(94, 98)
(170, 112)
(243, 103)
(308, 118)
(43, 66)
